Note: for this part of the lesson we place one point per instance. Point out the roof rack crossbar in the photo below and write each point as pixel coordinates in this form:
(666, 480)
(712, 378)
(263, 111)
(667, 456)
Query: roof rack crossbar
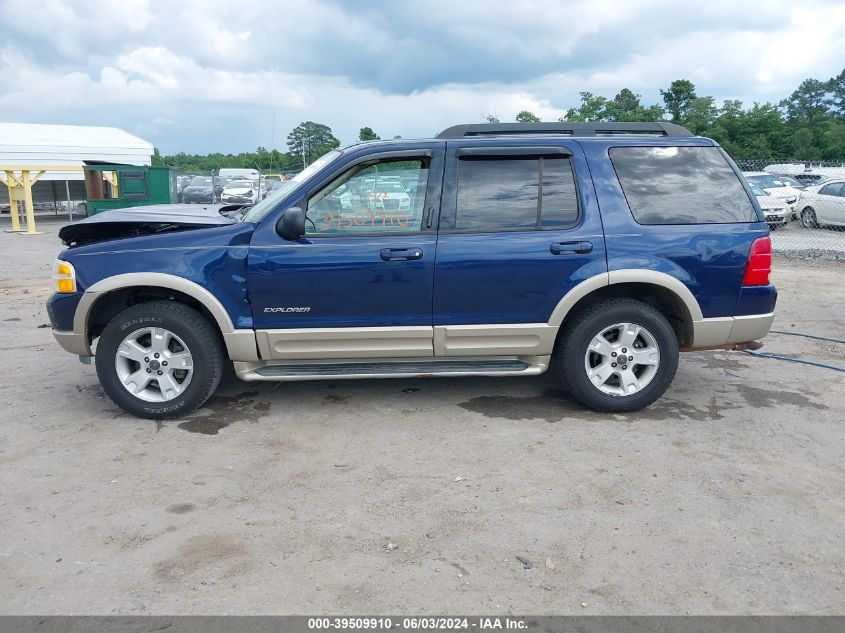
(658, 128)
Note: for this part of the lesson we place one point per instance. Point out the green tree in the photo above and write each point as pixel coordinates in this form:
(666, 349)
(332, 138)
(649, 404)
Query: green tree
(837, 88)
(492, 118)
(803, 144)
(625, 106)
(527, 117)
(700, 115)
(809, 103)
(367, 134)
(677, 98)
(592, 108)
(308, 141)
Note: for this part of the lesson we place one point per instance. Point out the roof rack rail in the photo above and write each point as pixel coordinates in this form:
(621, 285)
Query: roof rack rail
(564, 128)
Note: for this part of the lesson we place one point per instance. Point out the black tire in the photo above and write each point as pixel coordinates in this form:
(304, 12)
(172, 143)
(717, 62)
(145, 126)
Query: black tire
(200, 337)
(808, 218)
(594, 319)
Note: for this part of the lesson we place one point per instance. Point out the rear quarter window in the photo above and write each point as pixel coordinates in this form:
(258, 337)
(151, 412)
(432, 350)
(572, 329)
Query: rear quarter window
(681, 185)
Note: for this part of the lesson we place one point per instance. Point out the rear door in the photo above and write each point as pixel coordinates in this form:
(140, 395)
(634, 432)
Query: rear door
(831, 205)
(519, 228)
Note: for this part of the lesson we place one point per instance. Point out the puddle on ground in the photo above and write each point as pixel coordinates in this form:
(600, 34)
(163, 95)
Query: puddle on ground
(757, 397)
(668, 409)
(221, 411)
(552, 405)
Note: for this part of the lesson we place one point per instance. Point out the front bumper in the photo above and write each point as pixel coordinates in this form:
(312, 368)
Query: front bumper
(237, 200)
(73, 343)
(197, 198)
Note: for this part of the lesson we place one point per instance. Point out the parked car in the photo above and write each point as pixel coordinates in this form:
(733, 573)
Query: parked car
(824, 205)
(527, 247)
(236, 173)
(807, 174)
(776, 211)
(201, 189)
(789, 181)
(389, 194)
(240, 192)
(774, 186)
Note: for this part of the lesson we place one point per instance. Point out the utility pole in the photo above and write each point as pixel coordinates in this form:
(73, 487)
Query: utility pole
(272, 141)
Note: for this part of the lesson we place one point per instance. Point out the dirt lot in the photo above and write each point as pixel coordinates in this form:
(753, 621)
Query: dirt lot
(400, 496)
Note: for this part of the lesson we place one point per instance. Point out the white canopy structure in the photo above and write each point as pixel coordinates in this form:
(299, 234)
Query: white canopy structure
(27, 151)
(43, 145)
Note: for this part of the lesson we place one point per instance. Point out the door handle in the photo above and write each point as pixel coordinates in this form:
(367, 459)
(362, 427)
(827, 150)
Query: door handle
(563, 248)
(403, 254)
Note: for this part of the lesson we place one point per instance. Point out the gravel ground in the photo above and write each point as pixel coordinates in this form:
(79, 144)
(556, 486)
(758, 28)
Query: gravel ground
(793, 240)
(416, 496)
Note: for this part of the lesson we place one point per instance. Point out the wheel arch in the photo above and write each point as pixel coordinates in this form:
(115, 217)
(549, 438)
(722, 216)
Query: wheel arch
(664, 292)
(126, 285)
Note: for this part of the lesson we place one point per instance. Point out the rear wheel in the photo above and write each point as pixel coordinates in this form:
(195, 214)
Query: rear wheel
(618, 355)
(808, 218)
(159, 359)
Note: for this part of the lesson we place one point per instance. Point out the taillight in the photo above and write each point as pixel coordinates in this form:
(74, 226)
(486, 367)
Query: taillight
(759, 263)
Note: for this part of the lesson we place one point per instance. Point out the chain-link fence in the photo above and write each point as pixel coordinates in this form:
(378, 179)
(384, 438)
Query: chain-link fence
(227, 186)
(804, 203)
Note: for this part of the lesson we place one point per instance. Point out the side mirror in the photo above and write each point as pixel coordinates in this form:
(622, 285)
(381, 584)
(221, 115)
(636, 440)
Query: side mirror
(291, 226)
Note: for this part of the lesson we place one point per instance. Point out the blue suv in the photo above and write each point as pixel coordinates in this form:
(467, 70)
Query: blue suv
(598, 250)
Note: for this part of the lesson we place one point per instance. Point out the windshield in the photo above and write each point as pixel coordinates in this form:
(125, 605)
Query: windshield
(239, 184)
(756, 190)
(766, 182)
(268, 204)
(199, 181)
(789, 180)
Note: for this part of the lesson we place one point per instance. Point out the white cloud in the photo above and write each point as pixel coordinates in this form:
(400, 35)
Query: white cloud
(206, 75)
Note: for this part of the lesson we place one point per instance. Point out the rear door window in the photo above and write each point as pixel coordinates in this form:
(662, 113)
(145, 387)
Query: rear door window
(681, 185)
(505, 194)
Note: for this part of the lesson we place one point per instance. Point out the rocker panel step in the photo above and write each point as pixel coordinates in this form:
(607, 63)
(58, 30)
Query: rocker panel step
(375, 369)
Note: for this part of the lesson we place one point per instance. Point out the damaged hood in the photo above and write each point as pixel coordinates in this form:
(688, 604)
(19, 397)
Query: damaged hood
(145, 220)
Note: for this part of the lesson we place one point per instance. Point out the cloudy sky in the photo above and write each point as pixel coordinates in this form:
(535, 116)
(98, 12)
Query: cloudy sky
(207, 75)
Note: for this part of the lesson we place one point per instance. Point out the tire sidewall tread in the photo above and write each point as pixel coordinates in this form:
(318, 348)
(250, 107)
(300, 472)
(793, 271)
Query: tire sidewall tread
(586, 324)
(199, 335)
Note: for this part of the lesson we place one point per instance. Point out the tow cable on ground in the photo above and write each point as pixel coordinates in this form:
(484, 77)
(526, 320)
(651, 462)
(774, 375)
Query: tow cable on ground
(820, 338)
(798, 360)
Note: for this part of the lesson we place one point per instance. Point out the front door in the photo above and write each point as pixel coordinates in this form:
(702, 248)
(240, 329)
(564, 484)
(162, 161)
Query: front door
(516, 234)
(359, 283)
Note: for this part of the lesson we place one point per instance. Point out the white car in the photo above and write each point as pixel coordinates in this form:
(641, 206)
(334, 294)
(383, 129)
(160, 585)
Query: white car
(389, 194)
(775, 187)
(777, 212)
(823, 204)
(240, 192)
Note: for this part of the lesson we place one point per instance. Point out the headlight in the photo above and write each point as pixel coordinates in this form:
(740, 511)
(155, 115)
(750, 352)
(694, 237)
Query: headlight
(792, 200)
(65, 277)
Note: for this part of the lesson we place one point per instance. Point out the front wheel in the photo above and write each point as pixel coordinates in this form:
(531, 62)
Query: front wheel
(618, 355)
(160, 359)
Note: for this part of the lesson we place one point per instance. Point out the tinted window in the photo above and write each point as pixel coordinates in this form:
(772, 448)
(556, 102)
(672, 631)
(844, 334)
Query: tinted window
(833, 189)
(501, 194)
(681, 185)
(560, 202)
(371, 199)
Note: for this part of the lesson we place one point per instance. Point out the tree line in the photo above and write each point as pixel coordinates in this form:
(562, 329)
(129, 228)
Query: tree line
(809, 124)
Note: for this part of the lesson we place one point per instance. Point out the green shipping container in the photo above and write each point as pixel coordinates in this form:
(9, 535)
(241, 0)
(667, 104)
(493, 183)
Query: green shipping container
(110, 186)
